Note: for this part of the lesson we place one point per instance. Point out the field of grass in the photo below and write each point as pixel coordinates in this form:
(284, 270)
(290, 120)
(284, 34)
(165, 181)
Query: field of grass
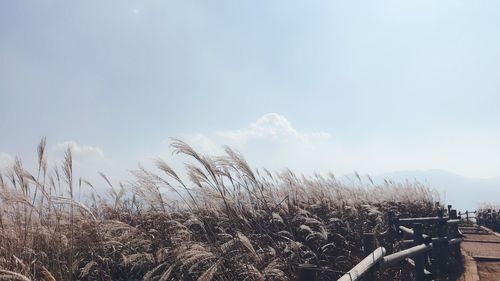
(231, 222)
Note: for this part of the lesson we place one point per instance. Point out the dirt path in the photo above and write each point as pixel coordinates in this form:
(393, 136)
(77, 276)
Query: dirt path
(479, 247)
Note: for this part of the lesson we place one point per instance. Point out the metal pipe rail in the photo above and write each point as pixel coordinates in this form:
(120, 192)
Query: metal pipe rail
(378, 257)
(430, 220)
(416, 254)
(454, 241)
(412, 262)
(410, 231)
(423, 220)
(434, 239)
(364, 266)
(404, 254)
(446, 228)
(476, 226)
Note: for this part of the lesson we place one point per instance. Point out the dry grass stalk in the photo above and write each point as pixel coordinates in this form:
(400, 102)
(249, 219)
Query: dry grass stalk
(227, 221)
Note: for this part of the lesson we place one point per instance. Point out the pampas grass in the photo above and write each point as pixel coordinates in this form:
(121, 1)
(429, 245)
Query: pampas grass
(227, 221)
(9, 275)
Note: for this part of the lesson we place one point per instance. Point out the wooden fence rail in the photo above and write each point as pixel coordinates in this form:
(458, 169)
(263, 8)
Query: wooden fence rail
(363, 267)
(489, 218)
(467, 218)
(446, 244)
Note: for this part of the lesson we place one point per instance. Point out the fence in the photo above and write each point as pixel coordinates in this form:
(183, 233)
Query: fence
(428, 255)
(489, 218)
(468, 217)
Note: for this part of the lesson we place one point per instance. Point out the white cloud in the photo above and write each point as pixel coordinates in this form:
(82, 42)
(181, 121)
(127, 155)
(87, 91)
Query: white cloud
(270, 126)
(79, 151)
(273, 142)
(6, 161)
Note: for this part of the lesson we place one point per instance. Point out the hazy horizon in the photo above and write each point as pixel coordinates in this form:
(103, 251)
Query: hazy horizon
(320, 86)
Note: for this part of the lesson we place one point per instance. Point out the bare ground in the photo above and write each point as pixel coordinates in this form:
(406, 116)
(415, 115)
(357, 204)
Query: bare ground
(481, 245)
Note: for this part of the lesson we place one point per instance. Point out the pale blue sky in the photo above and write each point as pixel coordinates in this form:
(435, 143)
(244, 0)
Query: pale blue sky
(373, 86)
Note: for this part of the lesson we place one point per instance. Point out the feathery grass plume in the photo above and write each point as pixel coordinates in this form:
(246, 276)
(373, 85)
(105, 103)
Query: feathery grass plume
(150, 275)
(10, 275)
(69, 201)
(235, 223)
(246, 243)
(147, 186)
(166, 275)
(41, 152)
(42, 167)
(210, 272)
(181, 147)
(67, 168)
(47, 275)
(162, 165)
(105, 179)
(85, 271)
(81, 182)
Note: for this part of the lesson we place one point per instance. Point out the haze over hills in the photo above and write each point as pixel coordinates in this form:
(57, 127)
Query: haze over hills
(462, 192)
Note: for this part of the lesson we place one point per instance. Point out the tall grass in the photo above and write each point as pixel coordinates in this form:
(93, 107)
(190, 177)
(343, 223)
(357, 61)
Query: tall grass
(227, 222)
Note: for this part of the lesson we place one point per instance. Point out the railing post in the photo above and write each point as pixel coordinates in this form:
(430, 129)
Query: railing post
(390, 219)
(307, 272)
(467, 216)
(489, 219)
(440, 212)
(396, 224)
(368, 247)
(494, 220)
(498, 220)
(419, 259)
(441, 246)
(453, 233)
(453, 214)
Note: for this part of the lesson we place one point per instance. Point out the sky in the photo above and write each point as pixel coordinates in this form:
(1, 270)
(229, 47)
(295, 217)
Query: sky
(341, 86)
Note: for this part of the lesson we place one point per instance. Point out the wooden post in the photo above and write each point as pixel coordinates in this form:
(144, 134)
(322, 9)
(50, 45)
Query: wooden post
(467, 216)
(419, 259)
(453, 227)
(453, 233)
(441, 253)
(307, 272)
(390, 218)
(453, 214)
(497, 228)
(494, 222)
(396, 224)
(489, 219)
(437, 255)
(440, 212)
(368, 248)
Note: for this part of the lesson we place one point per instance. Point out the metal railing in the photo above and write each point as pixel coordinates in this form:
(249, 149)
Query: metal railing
(489, 218)
(421, 246)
